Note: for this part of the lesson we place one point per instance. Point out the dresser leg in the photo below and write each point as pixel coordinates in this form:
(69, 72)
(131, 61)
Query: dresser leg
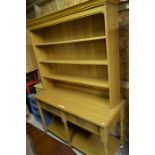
(67, 133)
(42, 117)
(66, 128)
(104, 139)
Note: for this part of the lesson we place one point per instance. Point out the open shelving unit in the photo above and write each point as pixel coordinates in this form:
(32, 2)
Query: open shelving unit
(87, 141)
(78, 58)
(57, 128)
(77, 52)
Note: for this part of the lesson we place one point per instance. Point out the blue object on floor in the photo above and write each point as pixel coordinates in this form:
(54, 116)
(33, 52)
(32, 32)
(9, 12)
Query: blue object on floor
(35, 112)
(28, 104)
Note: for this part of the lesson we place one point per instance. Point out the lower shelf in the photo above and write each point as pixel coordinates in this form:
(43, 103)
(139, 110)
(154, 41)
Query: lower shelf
(85, 141)
(57, 128)
(90, 144)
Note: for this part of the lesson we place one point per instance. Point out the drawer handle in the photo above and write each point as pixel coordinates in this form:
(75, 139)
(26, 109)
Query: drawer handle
(61, 106)
(80, 121)
(102, 123)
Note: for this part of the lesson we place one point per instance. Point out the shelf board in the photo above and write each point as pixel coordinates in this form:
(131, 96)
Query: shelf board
(84, 142)
(92, 108)
(70, 41)
(76, 61)
(39, 86)
(103, 83)
(57, 128)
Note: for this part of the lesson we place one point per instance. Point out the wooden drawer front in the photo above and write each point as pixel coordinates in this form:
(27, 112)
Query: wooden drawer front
(50, 109)
(82, 123)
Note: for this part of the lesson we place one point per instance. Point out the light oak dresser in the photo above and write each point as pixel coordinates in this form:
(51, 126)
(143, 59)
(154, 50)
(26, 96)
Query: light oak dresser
(78, 59)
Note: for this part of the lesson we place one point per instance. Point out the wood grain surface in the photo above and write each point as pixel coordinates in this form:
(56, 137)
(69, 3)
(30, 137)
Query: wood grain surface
(46, 145)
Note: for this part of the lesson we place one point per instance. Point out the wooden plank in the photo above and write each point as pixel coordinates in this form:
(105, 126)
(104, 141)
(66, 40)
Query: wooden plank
(103, 83)
(67, 131)
(80, 10)
(68, 3)
(90, 144)
(31, 62)
(104, 135)
(39, 86)
(76, 61)
(70, 41)
(57, 128)
(92, 108)
(42, 116)
(111, 23)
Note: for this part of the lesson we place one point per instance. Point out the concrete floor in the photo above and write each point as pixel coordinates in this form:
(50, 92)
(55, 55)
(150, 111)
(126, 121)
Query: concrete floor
(31, 120)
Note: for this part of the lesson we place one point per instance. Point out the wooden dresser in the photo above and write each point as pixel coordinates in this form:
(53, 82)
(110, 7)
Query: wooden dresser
(78, 59)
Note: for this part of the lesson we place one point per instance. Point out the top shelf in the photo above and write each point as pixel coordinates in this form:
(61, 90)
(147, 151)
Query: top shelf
(71, 41)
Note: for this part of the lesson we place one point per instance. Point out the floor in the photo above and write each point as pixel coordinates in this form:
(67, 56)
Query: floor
(29, 146)
(38, 125)
(44, 144)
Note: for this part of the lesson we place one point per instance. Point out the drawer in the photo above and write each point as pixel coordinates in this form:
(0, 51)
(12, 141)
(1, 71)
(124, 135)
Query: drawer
(82, 123)
(50, 109)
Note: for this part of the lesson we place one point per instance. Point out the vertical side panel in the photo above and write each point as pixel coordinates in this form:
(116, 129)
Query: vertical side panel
(42, 70)
(111, 24)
